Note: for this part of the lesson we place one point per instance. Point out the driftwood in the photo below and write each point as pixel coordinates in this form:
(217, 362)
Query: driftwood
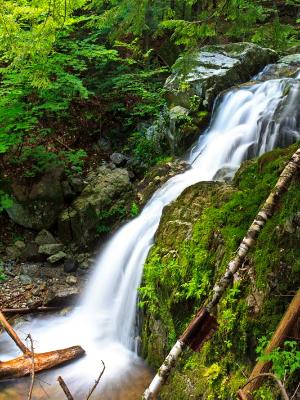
(234, 265)
(283, 330)
(23, 365)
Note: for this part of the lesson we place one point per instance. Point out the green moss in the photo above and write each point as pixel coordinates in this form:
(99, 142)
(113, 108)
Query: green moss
(198, 235)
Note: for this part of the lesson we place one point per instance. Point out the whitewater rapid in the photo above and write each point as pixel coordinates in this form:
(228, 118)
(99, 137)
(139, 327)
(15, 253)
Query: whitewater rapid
(247, 121)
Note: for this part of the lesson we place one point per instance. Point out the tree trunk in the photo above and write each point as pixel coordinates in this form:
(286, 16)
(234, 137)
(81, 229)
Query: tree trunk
(284, 328)
(247, 243)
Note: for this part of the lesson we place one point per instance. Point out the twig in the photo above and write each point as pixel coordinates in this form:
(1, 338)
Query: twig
(278, 381)
(296, 391)
(32, 369)
(63, 144)
(65, 388)
(97, 381)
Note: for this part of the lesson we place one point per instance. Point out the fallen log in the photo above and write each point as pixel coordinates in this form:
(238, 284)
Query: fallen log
(283, 330)
(28, 310)
(23, 365)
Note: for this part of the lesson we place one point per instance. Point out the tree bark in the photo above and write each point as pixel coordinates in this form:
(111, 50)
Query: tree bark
(283, 330)
(22, 366)
(247, 243)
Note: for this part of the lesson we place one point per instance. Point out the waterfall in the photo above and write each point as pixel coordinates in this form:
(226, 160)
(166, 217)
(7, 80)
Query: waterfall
(246, 122)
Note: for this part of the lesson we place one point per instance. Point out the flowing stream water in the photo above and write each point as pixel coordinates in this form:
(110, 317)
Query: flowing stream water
(247, 121)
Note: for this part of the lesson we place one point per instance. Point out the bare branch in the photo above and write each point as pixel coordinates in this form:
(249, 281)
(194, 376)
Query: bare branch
(32, 369)
(96, 382)
(65, 388)
(296, 391)
(278, 381)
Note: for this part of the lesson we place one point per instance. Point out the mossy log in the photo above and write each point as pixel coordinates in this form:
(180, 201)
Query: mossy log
(264, 214)
(23, 365)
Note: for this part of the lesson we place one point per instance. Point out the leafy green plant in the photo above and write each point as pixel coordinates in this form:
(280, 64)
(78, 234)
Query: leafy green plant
(3, 277)
(38, 160)
(285, 361)
(5, 201)
(106, 218)
(145, 149)
(134, 210)
(76, 159)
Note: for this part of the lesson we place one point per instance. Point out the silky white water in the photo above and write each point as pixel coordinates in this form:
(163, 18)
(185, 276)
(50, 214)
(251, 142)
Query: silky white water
(246, 122)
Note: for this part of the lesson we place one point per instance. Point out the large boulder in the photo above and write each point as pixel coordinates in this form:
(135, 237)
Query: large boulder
(106, 192)
(37, 204)
(286, 67)
(200, 76)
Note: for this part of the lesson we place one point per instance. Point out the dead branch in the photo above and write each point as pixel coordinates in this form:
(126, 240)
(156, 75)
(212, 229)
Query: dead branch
(65, 388)
(28, 310)
(9, 329)
(63, 144)
(296, 391)
(96, 382)
(274, 377)
(32, 368)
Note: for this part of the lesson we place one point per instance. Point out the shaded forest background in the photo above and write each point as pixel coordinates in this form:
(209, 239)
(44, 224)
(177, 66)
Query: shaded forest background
(77, 74)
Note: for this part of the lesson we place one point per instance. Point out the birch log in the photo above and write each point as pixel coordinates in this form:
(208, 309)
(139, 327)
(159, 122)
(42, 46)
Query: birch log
(247, 243)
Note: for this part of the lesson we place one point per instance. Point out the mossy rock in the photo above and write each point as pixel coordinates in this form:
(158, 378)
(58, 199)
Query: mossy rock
(188, 257)
(212, 69)
(107, 190)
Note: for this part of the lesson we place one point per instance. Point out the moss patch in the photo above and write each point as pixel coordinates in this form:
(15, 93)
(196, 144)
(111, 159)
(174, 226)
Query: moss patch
(198, 235)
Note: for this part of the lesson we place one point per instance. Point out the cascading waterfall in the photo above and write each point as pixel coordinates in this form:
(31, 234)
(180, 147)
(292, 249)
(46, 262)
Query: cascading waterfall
(247, 121)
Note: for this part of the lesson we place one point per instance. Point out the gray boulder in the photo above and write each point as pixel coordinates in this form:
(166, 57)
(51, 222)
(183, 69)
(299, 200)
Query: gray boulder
(57, 257)
(106, 189)
(31, 253)
(50, 249)
(198, 77)
(286, 67)
(37, 205)
(119, 159)
(44, 237)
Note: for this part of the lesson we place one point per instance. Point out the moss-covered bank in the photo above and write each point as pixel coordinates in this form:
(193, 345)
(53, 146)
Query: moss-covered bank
(198, 235)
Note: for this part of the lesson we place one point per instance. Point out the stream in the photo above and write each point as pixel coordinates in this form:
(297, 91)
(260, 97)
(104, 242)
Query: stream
(247, 121)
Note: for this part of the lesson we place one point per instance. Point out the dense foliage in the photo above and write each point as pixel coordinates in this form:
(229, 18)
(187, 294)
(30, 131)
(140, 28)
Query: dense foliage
(76, 71)
(81, 79)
